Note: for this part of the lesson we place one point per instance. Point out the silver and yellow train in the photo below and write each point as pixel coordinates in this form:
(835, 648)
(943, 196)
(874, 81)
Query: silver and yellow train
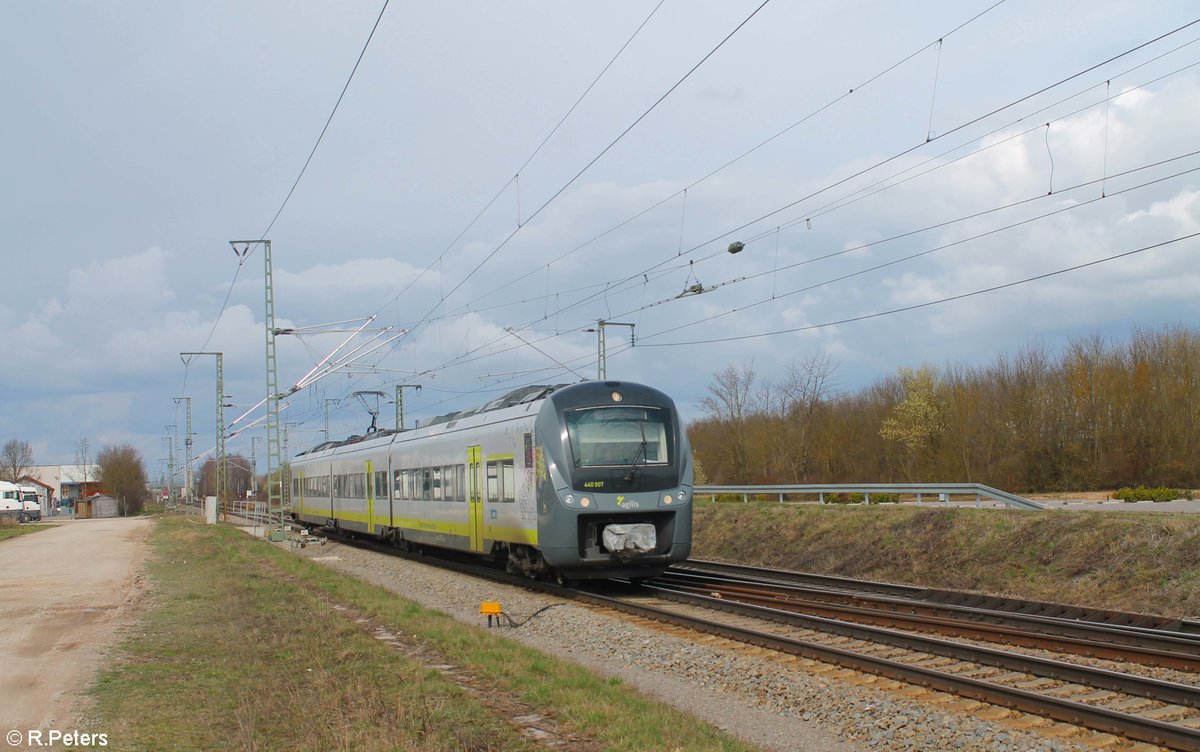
(591, 480)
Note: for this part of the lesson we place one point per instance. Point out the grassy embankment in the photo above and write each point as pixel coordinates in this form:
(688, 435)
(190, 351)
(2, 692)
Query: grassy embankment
(1147, 562)
(245, 646)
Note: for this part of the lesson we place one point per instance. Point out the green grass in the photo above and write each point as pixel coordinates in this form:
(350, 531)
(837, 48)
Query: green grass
(15, 531)
(1118, 560)
(241, 648)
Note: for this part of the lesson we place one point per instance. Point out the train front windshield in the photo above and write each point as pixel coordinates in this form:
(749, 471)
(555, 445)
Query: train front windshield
(619, 436)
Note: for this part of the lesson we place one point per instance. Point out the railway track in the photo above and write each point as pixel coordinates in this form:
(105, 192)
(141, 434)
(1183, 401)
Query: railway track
(997, 605)
(1126, 705)
(916, 612)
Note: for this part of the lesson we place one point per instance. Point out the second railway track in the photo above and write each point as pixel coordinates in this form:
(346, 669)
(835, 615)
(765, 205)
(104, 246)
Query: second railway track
(1126, 705)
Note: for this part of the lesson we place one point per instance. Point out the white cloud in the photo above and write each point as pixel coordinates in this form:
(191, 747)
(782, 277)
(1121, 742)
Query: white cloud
(373, 279)
(1183, 210)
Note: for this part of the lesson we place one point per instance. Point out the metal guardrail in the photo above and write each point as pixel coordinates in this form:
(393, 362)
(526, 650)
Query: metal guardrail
(940, 491)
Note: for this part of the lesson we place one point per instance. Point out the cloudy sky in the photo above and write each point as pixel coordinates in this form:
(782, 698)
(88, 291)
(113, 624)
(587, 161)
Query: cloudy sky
(866, 167)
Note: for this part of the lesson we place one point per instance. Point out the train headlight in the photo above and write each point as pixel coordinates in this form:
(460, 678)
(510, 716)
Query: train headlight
(677, 499)
(585, 502)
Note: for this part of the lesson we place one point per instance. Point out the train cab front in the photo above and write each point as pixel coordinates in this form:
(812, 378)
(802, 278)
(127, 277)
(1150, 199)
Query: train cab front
(614, 481)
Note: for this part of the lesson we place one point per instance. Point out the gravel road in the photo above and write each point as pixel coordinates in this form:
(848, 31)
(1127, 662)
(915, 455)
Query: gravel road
(64, 596)
(776, 706)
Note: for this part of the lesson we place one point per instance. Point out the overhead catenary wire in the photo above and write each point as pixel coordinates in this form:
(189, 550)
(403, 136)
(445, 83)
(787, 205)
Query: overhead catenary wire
(910, 257)
(960, 26)
(611, 287)
(899, 236)
(295, 183)
(516, 176)
(328, 121)
(917, 306)
(712, 173)
(910, 233)
(426, 318)
(582, 171)
(904, 152)
(511, 235)
(597, 158)
(882, 184)
(872, 189)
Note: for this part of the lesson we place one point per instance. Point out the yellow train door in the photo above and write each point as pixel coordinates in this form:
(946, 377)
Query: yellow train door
(370, 497)
(475, 496)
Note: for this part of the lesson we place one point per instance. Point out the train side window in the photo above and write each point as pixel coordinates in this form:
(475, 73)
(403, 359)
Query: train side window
(449, 489)
(501, 480)
(426, 484)
(510, 480)
(493, 481)
(462, 482)
(436, 482)
(381, 486)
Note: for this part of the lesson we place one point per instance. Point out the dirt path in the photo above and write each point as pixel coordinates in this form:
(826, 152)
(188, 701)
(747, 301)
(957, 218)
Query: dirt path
(63, 595)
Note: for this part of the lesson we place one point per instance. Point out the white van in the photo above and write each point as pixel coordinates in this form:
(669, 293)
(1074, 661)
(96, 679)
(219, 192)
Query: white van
(30, 506)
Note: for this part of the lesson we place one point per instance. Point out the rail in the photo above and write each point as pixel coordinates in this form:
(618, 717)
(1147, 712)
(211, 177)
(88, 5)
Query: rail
(940, 491)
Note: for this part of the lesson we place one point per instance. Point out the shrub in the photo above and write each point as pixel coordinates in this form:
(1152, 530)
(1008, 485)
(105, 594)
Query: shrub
(6, 521)
(1142, 493)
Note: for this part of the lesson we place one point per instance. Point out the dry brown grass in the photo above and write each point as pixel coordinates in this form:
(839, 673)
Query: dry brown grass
(1146, 562)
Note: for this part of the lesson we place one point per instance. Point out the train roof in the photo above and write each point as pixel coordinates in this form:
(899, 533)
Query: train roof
(524, 395)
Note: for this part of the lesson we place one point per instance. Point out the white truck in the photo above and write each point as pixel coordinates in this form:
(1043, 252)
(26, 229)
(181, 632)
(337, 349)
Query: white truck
(30, 505)
(11, 504)
(19, 502)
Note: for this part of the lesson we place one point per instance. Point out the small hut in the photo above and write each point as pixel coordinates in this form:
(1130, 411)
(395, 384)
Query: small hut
(97, 506)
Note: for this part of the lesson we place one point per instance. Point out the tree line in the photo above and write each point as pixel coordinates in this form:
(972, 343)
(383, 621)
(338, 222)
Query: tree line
(1093, 415)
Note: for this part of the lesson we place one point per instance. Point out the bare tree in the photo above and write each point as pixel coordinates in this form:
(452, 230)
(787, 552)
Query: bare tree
(239, 476)
(83, 449)
(730, 404)
(809, 383)
(123, 475)
(16, 458)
